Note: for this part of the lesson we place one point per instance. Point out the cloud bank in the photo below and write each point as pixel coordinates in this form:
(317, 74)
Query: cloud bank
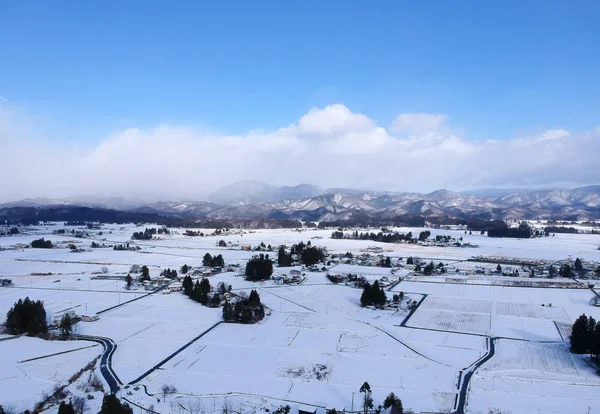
(331, 147)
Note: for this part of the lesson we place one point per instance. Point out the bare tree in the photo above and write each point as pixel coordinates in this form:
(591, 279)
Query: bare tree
(167, 390)
(79, 404)
(227, 406)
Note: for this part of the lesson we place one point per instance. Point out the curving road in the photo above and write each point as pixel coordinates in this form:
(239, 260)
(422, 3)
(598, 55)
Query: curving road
(470, 370)
(106, 360)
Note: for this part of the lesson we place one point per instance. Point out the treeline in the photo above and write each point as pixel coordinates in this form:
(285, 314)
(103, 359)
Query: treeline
(561, 229)
(524, 231)
(307, 254)
(35, 215)
(149, 232)
(378, 237)
(585, 337)
(213, 261)
(259, 268)
(169, 274)
(373, 295)
(42, 244)
(200, 291)
(244, 310)
(27, 317)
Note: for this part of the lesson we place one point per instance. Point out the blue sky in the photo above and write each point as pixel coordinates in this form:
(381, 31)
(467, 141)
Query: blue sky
(498, 69)
(422, 95)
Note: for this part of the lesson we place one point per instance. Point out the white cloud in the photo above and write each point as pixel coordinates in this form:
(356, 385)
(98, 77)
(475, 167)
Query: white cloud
(331, 146)
(418, 123)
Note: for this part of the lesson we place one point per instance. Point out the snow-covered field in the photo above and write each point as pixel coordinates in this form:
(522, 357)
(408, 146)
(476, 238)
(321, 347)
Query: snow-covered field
(317, 345)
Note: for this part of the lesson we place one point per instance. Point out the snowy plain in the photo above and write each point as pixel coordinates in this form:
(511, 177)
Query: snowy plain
(317, 345)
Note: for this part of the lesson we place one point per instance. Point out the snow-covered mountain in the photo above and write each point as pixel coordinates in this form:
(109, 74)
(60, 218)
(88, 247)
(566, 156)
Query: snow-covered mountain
(245, 192)
(253, 199)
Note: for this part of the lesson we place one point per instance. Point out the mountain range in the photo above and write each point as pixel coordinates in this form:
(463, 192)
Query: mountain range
(254, 199)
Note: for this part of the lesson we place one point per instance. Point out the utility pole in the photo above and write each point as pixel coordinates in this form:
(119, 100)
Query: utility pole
(352, 409)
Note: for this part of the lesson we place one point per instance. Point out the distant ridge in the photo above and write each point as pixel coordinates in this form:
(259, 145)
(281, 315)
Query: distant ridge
(254, 199)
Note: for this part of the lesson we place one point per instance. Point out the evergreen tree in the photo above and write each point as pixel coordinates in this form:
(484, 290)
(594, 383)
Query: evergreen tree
(409, 261)
(254, 298)
(27, 316)
(207, 260)
(187, 285)
(145, 273)
(64, 408)
(499, 268)
(112, 405)
(227, 312)
(128, 281)
(215, 301)
(552, 271)
(365, 298)
(578, 264)
(565, 271)
(283, 259)
(367, 399)
(259, 268)
(579, 333)
(591, 327)
(595, 343)
(184, 269)
(393, 401)
(312, 256)
(66, 325)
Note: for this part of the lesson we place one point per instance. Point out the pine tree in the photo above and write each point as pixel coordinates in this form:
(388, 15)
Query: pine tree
(227, 312)
(499, 268)
(215, 301)
(254, 298)
(145, 273)
(187, 285)
(579, 333)
(66, 325)
(595, 343)
(129, 281)
(207, 260)
(365, 298)
(64, 408)
(184, 269)
(578, 264)
(393, 401)
(112, 405)
(589, 339)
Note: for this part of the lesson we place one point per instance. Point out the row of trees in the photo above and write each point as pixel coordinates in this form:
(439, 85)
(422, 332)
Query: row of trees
(378, 237)
(524, 231)
(200, 291)
(213, 261)
(169, 274)
(143, 235)
(585, 337)
(259, 268)
(244, 310)
(27, 317)
(42, 244)
(373, 295)
(309, 255)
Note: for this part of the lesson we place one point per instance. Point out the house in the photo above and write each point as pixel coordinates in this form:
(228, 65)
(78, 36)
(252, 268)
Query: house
(295, 273)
